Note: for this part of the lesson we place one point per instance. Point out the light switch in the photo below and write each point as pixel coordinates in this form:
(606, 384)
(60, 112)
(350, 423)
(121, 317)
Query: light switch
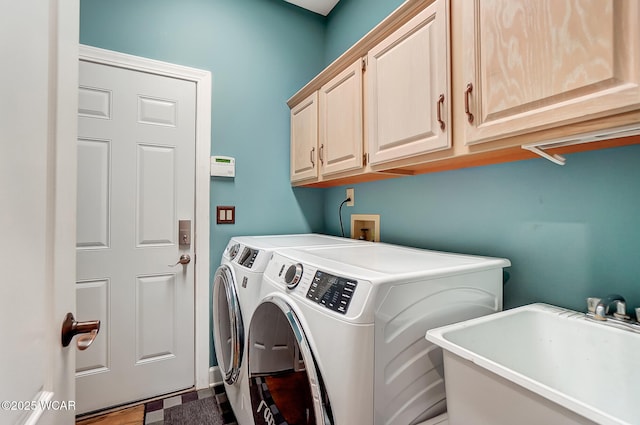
(225, 214)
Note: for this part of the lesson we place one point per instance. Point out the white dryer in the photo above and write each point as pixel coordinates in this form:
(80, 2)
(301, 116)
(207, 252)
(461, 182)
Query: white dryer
(236, 290)
(351, 320)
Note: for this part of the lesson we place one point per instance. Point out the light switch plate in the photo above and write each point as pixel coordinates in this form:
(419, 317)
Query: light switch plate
(225, 214)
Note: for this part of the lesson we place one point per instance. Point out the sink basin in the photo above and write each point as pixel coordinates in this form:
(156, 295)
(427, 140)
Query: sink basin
(539, 364)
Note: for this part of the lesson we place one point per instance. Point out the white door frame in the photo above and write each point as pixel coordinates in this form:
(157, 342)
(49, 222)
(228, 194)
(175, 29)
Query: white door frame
(202, 79)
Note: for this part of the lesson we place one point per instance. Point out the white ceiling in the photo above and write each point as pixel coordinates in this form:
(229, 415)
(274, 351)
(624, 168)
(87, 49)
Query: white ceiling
(322, 7)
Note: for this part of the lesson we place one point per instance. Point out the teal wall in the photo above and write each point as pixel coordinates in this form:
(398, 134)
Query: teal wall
(570, 231)
(260, 52)
(350, 20)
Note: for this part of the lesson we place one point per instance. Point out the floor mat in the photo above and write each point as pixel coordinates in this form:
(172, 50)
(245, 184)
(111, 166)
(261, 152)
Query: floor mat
(192, 408)
(204, 411)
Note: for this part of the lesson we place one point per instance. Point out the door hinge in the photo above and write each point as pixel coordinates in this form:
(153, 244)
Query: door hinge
(364, 63)
(365, 159)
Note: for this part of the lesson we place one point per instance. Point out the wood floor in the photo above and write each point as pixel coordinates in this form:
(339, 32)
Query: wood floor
(131, 416)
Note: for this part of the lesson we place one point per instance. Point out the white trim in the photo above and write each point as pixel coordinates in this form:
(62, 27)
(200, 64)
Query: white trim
(202, 79)
(64, 163)
(38, 408)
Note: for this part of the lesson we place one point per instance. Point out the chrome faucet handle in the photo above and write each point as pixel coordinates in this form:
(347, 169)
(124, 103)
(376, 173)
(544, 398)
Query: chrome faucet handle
(621, 310)
(592, 302)
(600, 312)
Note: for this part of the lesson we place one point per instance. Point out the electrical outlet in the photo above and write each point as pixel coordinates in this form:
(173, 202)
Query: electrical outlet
(351, 194)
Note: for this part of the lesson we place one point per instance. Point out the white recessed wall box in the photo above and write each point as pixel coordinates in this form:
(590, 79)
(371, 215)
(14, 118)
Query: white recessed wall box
(223, 166)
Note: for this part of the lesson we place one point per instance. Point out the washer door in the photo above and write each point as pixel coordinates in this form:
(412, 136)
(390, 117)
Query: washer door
(228, 328)
(278, 345)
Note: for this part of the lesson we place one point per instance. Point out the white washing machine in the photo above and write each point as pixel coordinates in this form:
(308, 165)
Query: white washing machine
(236, 291)
(352, 320)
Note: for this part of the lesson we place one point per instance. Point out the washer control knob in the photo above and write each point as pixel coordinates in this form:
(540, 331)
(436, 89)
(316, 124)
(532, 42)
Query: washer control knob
(293, 275)
(233, 250)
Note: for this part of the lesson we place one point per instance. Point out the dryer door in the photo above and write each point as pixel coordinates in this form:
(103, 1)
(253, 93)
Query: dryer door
(227, 323)
(286, 384)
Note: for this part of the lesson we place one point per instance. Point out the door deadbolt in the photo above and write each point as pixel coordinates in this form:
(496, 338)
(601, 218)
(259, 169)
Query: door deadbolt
(184, 232)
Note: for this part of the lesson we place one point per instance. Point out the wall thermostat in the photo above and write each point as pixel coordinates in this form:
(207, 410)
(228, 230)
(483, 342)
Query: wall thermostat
(223, 166)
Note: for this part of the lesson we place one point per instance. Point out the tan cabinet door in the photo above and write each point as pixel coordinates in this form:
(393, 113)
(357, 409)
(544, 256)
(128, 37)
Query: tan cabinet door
(341, 121)
(304, 139)
(408, 88)
(533, 65)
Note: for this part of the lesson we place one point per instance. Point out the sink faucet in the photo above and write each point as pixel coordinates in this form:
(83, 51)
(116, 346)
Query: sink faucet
(602, 308)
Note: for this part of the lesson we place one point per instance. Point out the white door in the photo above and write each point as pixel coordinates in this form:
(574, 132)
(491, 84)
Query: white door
(39, 48)
(136, 156)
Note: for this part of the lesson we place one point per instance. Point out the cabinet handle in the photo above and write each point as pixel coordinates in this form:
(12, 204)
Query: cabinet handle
(439, 111)
(467, 93)
(313, 150)
(321, 154)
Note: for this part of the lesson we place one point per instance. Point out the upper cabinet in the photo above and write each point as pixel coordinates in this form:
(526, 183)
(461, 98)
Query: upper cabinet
(534, 65)
(459, 83)
(326, 129)
(304, 139)
(408, 93)
(340, 125)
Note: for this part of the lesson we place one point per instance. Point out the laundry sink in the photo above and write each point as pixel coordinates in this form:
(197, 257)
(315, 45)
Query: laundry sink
(539, 364)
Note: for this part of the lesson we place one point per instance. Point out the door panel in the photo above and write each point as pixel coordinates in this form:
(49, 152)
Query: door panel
(92, 299)
(156, 196)
(94, 103)
(304, 139)
(155, 318)
(535, 65)
(340, 129)
(407, 88)
(93, 229)
(156, 111)
(136, 156)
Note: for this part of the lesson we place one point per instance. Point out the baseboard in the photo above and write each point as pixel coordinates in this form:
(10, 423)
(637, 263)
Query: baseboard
(215, 377)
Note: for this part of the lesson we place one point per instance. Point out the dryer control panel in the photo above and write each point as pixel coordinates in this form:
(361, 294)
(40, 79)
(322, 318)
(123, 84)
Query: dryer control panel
(248, 257)
(333, 292)
(336, 292)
